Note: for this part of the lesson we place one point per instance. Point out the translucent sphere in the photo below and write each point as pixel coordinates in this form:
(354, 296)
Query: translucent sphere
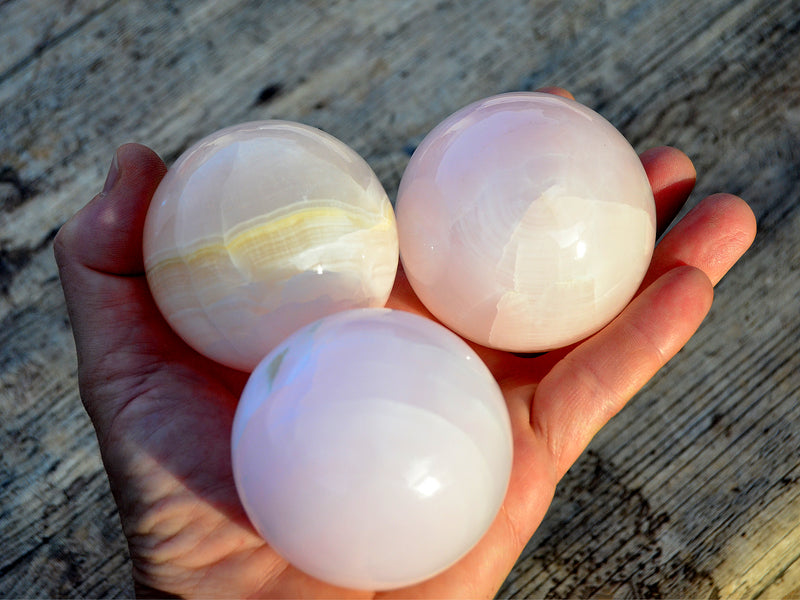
(526, 222)
(262, 228)
(372, 449)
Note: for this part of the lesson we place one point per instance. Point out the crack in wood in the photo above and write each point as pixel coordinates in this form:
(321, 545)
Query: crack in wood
(13, 190)
(14, 260)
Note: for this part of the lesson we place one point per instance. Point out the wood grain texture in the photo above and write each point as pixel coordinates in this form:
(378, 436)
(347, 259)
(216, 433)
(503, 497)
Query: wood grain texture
(693, 490)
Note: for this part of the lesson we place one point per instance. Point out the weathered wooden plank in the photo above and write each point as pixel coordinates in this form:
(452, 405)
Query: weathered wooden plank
(691, 491)
(59, 523)
(31, 28)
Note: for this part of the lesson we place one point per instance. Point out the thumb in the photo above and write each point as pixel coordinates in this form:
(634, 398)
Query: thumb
(99, 257)
(106, 234)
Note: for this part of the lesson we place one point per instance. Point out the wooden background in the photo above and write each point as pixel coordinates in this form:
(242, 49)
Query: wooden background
(692, 491)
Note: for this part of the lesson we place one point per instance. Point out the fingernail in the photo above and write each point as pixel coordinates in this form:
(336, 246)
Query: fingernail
(113, 174)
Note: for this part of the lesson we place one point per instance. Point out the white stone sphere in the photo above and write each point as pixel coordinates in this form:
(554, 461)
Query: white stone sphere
(372, 449)
(261, 228)
(526, 222)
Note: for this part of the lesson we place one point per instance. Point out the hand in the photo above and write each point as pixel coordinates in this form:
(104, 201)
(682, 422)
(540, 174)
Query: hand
(163, 413)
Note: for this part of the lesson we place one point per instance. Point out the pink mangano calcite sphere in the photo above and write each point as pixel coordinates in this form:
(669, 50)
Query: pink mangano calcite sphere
(372, 449)
(526, 222)
(261, 228)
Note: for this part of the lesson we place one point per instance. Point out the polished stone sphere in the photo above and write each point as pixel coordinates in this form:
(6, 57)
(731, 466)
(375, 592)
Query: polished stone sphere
(372, 449)
(526, 222)
(262, 228)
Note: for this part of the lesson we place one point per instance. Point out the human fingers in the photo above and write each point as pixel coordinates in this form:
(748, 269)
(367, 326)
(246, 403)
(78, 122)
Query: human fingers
(711, 237)
(672, 177)
(571, 404)
(106, 234)
(99, 251)
(119, 332)
(594, 381)
(556, 91)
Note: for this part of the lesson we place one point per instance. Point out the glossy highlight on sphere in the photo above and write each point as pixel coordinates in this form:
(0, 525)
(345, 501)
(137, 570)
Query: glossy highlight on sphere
(372, 449)
(526, 222)
(262, 228)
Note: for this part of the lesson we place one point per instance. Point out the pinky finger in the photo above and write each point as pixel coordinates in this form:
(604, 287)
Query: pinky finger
(594, 381)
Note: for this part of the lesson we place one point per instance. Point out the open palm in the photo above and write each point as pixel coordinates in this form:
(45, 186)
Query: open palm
(163, 413)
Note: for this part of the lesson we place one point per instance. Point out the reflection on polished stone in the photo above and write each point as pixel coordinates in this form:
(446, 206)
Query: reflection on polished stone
(526, 222)
(262, 228)
(372, 449)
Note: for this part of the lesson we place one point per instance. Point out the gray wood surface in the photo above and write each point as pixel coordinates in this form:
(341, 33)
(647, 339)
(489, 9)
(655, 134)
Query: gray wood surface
(692, 491)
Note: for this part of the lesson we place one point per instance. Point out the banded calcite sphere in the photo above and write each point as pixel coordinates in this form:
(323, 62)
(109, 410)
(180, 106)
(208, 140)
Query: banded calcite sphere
(262, 228)
(372, 449)
(526, 222)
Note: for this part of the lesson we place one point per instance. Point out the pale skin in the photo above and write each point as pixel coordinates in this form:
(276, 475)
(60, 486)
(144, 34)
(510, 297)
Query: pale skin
(163, 413)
